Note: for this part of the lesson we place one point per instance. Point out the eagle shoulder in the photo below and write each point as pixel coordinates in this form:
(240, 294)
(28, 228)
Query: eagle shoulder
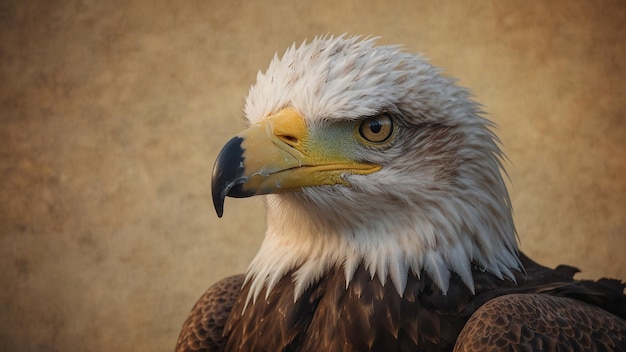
(204, 327)
(548, 310)
(541, 322)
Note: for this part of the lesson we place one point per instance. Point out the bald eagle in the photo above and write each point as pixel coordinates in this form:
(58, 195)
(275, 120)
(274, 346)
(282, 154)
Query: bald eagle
(389, 223)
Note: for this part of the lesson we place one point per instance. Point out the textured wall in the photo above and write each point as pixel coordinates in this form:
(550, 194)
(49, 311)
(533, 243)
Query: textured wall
(111, 115)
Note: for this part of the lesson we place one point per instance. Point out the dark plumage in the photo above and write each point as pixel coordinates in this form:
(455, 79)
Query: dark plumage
(519, 321)
(367, 316)
(204, 328)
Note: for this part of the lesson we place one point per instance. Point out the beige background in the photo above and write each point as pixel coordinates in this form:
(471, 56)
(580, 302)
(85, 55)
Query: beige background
(112, 113)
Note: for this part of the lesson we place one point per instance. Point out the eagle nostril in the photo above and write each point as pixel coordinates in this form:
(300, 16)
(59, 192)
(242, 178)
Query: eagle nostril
(289, 139)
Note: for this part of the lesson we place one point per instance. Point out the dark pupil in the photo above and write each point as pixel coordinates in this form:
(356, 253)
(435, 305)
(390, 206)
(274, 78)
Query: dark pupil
(375, 126)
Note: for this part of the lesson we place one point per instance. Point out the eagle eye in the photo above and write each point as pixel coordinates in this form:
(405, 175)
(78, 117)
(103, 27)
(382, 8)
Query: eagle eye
(376, 129)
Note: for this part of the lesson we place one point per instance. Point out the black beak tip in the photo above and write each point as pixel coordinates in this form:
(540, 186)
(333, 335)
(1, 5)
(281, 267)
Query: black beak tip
(228, 172)
(218, 203)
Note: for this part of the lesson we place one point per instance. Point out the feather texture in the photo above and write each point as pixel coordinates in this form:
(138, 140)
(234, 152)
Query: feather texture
(545, 308)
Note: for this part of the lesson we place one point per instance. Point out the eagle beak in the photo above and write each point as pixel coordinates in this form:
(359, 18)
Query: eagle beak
(278, 155)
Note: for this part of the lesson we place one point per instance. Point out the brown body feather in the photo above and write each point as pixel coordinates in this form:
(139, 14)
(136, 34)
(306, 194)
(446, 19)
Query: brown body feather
(546, 308)
(540, 322)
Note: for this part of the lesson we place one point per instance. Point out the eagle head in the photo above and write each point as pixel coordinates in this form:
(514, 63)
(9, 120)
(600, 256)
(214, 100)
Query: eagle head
(368, 156)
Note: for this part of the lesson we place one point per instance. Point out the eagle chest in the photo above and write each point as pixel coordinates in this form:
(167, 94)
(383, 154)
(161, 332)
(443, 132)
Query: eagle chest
(364, 316)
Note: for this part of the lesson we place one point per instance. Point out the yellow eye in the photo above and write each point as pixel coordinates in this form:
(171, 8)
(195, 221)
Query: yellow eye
(376, 129)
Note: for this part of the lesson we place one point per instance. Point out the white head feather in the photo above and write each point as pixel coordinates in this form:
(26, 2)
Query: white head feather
(439, 203)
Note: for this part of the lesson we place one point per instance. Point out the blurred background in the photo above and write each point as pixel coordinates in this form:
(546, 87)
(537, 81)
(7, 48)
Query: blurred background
(112, 113)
